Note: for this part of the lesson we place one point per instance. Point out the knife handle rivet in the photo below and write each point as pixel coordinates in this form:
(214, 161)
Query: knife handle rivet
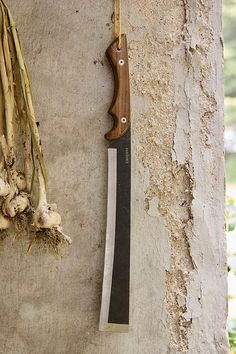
(121, 62)
(123, 120)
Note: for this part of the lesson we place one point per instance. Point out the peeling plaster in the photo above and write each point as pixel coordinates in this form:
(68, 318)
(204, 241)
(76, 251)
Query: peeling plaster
(183, 107)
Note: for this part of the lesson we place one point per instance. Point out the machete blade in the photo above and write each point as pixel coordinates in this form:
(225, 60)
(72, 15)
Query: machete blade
(115, 299)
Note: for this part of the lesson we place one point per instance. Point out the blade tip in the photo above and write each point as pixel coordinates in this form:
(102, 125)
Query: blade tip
(114, 327)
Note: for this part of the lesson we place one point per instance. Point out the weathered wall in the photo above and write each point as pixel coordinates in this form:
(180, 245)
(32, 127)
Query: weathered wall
(178, 275)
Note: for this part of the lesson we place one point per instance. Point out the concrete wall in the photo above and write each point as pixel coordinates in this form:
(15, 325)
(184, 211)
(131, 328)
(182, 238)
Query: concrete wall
(178, 287)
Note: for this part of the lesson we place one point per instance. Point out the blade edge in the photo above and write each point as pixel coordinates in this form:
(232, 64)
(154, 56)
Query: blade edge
(117, 328)
(110, 240)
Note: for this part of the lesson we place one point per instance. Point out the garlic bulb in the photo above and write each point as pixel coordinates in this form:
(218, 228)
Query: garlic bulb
(4, 187)
(4, 222)
(16, 205)
(46, 216)
(20, 181)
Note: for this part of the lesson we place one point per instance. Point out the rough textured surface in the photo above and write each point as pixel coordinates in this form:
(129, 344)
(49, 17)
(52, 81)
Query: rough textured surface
(178, 278)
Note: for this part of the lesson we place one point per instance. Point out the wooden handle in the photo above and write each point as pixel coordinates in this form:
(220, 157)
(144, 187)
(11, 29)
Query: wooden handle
(120, 107)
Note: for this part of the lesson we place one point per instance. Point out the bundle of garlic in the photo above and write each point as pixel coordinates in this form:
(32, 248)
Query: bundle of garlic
(23, 174)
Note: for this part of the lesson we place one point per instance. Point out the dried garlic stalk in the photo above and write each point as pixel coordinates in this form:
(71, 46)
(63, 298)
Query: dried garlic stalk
(21, 159)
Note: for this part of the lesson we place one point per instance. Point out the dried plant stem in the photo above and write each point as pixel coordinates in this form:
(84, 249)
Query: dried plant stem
(42, 189)
(26, 88)
(2, 111)
(4, 147)
(2, 123)
(2, 164)
(27, 156)
(7, 91)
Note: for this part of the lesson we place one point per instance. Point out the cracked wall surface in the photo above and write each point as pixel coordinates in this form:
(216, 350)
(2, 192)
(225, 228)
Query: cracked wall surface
(178, 258)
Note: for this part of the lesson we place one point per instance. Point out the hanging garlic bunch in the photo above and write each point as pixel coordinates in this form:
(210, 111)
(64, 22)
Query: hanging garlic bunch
(23, 174)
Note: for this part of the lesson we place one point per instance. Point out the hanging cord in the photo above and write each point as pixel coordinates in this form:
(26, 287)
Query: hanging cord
(117, 21)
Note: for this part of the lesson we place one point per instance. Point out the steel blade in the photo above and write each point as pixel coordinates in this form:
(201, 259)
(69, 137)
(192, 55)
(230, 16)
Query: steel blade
(115, 294)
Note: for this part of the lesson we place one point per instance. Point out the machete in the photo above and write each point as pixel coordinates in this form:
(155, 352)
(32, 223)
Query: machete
(114, 314)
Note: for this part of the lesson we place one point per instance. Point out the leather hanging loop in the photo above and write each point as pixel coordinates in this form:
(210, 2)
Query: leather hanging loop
(117, 21)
